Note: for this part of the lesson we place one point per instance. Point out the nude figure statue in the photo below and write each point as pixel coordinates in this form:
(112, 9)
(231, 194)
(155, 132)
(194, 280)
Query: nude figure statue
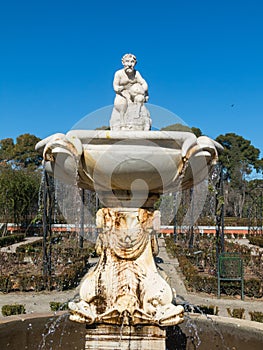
(129, 112)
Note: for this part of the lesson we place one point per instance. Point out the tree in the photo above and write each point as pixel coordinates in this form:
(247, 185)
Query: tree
(239, 159)
(18, 195)
(19, 179)
(184, 128)
(21, 154)
(6, 150)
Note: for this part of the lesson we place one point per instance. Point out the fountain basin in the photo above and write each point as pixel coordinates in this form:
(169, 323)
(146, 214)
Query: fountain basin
(128, 164)
(212, 333)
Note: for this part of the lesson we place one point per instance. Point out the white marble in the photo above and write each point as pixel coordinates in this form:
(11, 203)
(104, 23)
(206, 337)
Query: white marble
(129, 112)
(127, 168)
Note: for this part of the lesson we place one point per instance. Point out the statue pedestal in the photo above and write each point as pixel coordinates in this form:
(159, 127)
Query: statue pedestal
(105, 337)
(125, 288)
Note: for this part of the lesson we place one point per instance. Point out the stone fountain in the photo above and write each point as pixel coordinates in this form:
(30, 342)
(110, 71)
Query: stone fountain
(124, 298)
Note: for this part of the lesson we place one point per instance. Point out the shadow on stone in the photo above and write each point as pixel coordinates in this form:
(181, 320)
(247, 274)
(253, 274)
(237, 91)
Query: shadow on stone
(175, 339)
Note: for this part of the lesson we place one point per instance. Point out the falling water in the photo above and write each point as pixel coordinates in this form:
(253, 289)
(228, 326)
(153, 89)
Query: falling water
(192, 327)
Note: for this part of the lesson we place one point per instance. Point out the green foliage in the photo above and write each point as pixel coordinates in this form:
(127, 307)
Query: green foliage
(18, 194)
(15, 309)
(256, 316)
(8, 240)
(6, 150)
(184, 128)
(5, 283)
(57, 306)
(69, 279)
(30, 247)
(196, 131)
(201, 283)
(239, 157)
(22, 153)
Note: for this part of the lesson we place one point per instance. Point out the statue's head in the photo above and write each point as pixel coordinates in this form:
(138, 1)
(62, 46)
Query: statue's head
(129, 61)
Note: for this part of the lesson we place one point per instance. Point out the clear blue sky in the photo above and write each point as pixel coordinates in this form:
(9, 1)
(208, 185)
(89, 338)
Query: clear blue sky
(203, 60)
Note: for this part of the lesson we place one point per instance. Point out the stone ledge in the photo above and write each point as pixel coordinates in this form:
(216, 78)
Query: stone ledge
(125, 338)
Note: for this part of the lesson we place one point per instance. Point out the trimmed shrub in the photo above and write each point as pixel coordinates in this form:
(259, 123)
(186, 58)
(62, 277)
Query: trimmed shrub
(15, 309)
(5, 284)
(236, 313)
(12, 239)
(199, 282)
(57, 306)
(208, 310)
(256, 316)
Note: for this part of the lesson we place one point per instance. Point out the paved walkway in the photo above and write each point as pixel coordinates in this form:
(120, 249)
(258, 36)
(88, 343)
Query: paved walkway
(39, 302)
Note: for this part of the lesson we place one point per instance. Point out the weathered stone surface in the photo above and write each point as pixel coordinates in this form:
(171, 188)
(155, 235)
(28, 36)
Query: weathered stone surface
(125, 288)
(129, 167)
(105, 337)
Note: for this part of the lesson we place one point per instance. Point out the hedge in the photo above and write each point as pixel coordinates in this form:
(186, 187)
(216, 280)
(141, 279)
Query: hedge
(57, 306)
(256, 316)
(15, 309)
(236, 313)
(198, 282)
(12, 239)
(68, 279)
(256, 240)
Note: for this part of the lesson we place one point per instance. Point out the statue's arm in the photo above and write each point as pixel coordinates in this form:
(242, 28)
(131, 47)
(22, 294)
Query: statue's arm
(118, 88)
(141, 81)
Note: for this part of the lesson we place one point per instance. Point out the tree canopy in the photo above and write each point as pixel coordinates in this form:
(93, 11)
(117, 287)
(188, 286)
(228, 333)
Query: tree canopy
(21, 154)
(239, 157)
(182, 127)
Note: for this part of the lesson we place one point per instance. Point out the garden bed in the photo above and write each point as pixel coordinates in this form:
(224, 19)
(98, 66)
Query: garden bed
(199, 266)
(25, 270)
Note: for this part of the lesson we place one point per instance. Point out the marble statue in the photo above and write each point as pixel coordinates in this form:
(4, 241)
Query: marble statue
(129, 112)
(129, 167)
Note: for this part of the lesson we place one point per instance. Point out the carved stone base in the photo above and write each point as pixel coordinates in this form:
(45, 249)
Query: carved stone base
(105, 337)
(125, 288)
(136, 117)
